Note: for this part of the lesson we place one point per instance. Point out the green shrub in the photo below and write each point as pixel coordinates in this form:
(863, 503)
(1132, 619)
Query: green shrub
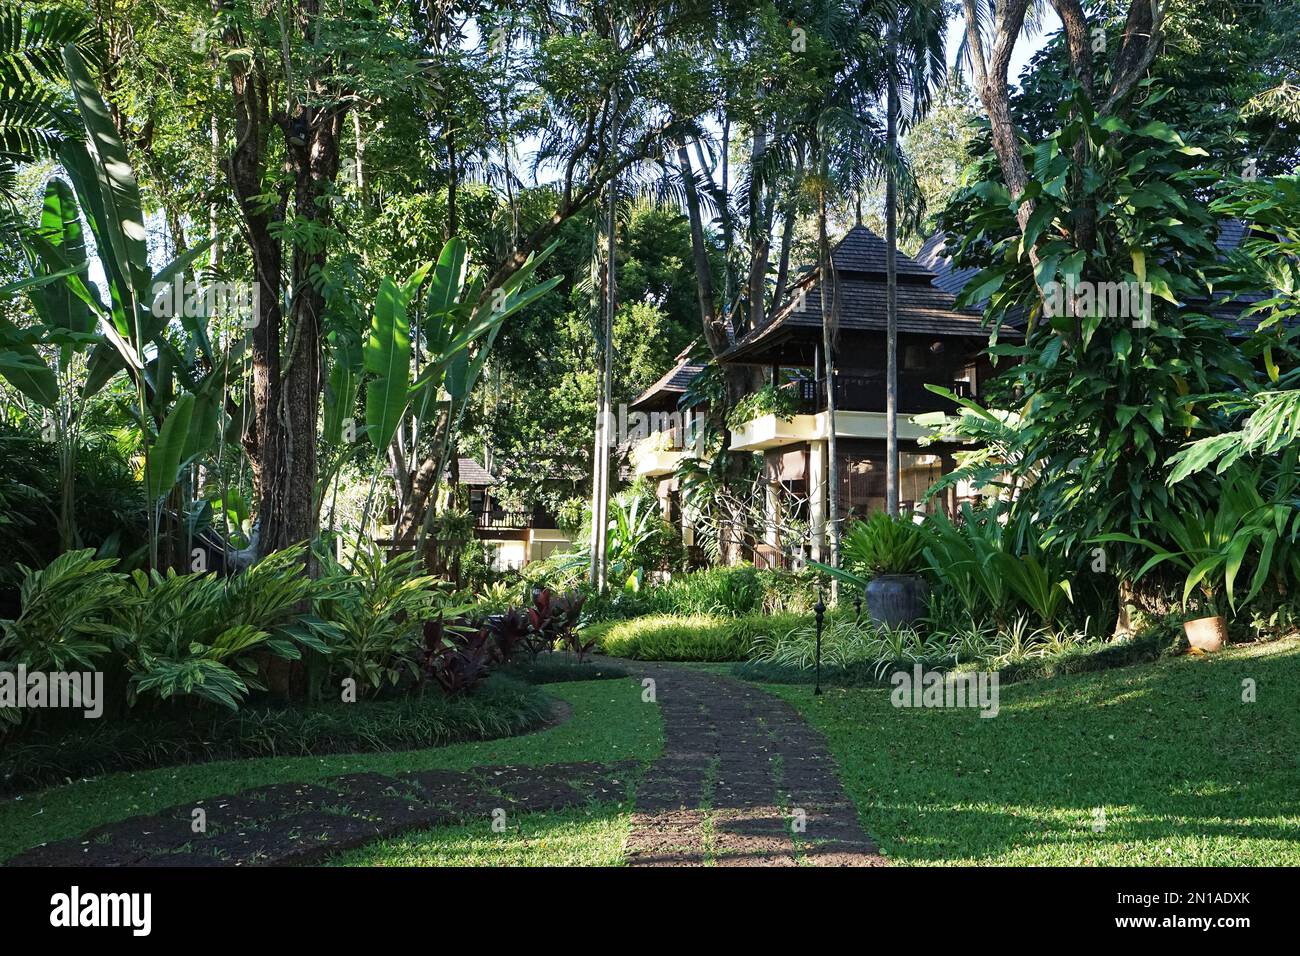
(619, 605)
(693, 637)
(379, 608)
(854, 662)
(791, 591)
(161, 637)
(64, 621)
(199, 635)
(725, 591)
(561, 571)
(846, 641)
(500, 708)
(862, 674)
(768, 400)
(558, 669)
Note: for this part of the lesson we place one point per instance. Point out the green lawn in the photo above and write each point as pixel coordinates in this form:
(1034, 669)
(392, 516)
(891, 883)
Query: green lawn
(609, 722)
(1184, 771)
(593, 836)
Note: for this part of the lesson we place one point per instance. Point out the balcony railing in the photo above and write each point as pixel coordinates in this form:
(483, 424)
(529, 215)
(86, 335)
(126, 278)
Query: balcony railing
(503, 520)
(498, 519)
(865, 392)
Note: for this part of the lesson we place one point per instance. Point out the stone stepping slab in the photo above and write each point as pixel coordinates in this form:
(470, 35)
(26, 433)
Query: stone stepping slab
(299, 823)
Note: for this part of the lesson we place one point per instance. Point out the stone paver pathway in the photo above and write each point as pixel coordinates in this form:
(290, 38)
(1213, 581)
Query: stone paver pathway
(743, 781)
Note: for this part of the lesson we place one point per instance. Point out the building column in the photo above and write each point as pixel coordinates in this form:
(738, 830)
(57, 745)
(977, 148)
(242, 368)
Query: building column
(771, 500)
(664, 495)
(818, 500)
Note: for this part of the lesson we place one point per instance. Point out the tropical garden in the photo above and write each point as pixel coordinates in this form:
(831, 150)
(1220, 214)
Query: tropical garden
(273, 271)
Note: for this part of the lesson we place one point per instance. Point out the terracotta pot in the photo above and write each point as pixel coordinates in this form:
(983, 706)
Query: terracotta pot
(1207, 633)
(896, 599)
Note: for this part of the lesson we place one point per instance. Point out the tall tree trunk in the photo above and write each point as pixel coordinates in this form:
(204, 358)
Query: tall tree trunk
(760, 231)
(262, 438)
(740, 379)
(286, 356)
(599, 571)
(830, 306)
(453, 183)
(783, 257)
(891, 283)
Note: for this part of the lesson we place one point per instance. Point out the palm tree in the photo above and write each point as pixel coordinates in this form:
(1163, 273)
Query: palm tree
(849, 148)
(914, 68)
(34, 119)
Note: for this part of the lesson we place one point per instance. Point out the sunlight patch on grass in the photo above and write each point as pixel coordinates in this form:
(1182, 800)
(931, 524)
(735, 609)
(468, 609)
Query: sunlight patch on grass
(1145, 765)
(590, 836)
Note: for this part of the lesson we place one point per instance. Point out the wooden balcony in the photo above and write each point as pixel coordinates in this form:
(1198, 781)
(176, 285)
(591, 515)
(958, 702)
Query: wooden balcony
(860, 412)
(865, 392)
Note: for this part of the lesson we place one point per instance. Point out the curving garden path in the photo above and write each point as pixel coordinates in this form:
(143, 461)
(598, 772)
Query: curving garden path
(743, 780)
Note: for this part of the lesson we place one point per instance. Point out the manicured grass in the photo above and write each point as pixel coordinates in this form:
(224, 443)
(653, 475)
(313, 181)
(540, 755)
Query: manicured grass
(609, 722)
(1153, 764)
(590, 836)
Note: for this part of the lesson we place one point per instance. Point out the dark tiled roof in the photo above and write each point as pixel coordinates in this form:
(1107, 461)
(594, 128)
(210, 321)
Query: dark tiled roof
(946, 276)
(1231, 232)
(924, 306)
(861, 250)
(927, 289)
(674, 381)
(472, 473)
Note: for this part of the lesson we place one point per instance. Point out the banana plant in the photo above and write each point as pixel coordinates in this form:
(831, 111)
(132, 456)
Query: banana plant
(387, 358)
(339, 432)
(119, 333)
(449, 349)
(387, 355)
(65, 327)
(459, 310)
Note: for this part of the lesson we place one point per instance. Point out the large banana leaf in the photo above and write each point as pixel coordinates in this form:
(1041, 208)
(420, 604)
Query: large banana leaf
(167, 452)
(122, 209)
(446, 281)
(60, 227)
(23, 366)
(387, 355)
(483, 323)
(204, 421)
(9, 288)
(340, 399)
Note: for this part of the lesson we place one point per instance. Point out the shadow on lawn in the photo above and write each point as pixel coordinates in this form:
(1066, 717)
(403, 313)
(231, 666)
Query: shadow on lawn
(1169, 753)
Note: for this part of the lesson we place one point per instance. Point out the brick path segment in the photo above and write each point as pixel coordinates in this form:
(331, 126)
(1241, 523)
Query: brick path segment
(737, 765)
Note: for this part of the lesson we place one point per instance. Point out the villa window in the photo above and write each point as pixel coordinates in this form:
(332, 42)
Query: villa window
(862, 482)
